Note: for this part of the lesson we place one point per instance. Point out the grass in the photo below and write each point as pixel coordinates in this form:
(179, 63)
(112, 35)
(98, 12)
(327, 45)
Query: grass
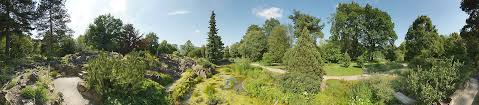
(226, 96)
(337, 93)
(338, 70)
(384, 67)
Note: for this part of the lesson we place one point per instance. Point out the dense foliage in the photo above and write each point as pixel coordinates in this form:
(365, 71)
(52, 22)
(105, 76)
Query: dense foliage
(104, 32)
(470, 31)
(277, 45)
(119, 80)
(422, 40)
(254, 43)
(434, 80)
(304, 65)
(359, 29)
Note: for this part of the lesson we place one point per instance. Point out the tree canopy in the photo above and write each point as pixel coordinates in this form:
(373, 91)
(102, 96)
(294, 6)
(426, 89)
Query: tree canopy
(422, 40)
(104, 32)
(215, 45)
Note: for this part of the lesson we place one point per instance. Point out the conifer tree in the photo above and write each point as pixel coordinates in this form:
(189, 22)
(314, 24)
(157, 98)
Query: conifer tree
(52, 25)
(304, 65)
(215, 45)
(277, 45)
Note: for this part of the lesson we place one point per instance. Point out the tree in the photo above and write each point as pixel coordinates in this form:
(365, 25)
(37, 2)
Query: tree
(254, 43)
(422, 40)
(331, 53)
(359, 29)
(470, 31)
(103, 34)
(304, 65)
(269, 25)
(455, 47)
(234, 50)
(215, 45)
(187, 48)
(52, 25)
(166, 48)
(277, 44)
(151, 39)
(226, 52)
(16, 16)
(379, 30)
(309, 22)
(129, 39)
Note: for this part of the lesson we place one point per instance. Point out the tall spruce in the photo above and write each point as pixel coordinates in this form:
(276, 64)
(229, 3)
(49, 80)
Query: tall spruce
(304, 65)
(52, 25)
(215, 45)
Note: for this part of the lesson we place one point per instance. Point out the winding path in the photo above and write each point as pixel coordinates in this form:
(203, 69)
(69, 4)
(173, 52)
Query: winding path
(68, 87)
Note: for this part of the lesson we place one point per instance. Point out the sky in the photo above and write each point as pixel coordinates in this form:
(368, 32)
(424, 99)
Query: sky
(177, 21)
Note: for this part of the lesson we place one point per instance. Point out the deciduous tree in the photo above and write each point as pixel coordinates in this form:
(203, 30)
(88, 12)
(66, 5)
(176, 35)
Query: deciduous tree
(422, 40)
(104, 32)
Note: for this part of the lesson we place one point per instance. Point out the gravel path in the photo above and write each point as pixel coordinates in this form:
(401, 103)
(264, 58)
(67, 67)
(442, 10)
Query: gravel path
(269, 68)
(68, 87)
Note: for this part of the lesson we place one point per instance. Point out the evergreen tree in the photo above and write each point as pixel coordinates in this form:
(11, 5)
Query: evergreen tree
(16, 16)
(302, 20)
(422, 40)
(129, 39)
(215, 45)
(277, 44)
(304, 65)
(52, 25)
(470, 31)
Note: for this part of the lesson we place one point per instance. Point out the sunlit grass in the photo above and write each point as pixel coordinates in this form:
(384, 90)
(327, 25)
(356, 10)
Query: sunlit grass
(338, 70)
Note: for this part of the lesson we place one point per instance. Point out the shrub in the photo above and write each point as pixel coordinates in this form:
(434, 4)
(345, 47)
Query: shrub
(361, 61)
(28, 92)
(115, 77)
(373, 91)
(242, 65)
(346, 60)
(433, 80)
(182, 86)
(39, 94)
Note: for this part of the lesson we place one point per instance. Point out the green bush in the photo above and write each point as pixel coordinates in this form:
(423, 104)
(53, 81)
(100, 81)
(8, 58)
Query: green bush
(182, 86)
(346, 62)
(120, 80)
(39, 94)
(373, 91)
(242, 65)
(434, 80)
(28, 92)
(361, 61)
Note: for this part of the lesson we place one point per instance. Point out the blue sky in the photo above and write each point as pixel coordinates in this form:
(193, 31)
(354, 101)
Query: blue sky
(180, 20)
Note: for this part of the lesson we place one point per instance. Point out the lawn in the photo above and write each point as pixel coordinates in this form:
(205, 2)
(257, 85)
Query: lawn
(338, 70)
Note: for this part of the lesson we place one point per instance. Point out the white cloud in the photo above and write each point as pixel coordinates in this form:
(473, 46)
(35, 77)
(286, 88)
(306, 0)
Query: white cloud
(272, 12)
(197, 31)
(179, 12)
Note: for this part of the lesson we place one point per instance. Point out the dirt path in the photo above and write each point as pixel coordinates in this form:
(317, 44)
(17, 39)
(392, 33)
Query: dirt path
(467, 95)
(68, 87)
(269, 68)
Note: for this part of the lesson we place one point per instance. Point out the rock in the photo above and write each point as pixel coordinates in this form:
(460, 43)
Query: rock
(33, 77)
(202, 71)
(28, 102)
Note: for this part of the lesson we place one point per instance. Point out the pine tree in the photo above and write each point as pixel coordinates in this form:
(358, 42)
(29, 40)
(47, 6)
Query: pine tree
(52, 25)
(304, 65)
(215, 45)
(16, 16)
